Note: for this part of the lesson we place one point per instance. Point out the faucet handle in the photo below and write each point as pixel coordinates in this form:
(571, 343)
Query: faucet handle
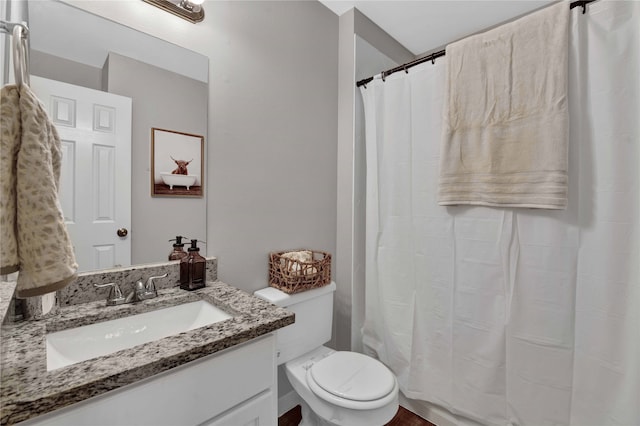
(115, 295)
(149, 286)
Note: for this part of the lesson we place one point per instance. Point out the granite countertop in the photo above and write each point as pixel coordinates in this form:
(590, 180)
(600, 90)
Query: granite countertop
(28, 390)
(7, 288)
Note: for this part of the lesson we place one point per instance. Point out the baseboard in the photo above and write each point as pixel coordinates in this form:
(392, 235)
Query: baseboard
(287, 402)
(437, 415)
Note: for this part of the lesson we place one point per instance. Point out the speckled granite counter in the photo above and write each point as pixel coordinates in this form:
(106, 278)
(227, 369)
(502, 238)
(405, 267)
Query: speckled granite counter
(7, 289)
(29, 390)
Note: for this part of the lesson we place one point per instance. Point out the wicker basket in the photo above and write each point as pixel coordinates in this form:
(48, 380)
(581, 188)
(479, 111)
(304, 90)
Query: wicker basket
(292, 275)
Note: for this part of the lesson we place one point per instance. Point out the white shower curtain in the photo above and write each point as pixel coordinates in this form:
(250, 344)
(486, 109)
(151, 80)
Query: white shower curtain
(513, 316)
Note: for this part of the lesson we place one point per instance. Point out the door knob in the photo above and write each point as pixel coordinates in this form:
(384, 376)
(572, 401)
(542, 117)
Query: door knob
(122, 232)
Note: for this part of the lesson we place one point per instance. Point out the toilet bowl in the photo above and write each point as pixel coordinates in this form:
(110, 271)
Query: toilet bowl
(336, 387)
(343, 388)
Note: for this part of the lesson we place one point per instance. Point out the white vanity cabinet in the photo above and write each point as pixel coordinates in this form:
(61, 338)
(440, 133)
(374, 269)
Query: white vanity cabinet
(236, 386)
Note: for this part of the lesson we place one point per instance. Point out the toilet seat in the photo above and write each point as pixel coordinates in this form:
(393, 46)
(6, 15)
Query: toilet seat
(352, 380)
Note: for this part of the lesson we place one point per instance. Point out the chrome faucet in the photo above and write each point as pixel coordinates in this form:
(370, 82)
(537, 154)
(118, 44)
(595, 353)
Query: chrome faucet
(143, 291)
(115, 296)
(139, 293)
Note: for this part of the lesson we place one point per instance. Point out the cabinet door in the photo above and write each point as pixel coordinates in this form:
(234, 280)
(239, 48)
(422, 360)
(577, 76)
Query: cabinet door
(209, 388)
(255, 412)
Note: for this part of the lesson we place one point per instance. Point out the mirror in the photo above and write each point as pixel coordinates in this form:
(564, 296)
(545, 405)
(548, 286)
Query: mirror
(167, 88)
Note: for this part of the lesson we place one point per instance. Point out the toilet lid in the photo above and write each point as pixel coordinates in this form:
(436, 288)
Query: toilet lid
(353, 376)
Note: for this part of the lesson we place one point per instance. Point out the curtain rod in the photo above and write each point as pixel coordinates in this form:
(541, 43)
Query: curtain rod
(433, 56)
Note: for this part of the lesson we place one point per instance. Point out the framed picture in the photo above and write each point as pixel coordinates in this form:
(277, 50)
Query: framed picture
(177, 164)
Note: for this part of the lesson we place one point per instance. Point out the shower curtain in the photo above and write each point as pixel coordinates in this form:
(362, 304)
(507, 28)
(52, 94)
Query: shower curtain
(512, 316)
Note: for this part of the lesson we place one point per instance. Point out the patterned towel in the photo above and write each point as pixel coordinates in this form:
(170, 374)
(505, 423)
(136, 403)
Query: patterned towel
(35, 224)
(10, 130)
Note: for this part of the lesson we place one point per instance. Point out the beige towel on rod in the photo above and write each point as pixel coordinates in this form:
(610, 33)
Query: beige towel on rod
(506, 120)
(44, 250)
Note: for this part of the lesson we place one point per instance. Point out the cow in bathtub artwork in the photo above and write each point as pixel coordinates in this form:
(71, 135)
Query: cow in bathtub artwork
(182, 167)
(180, 176)
(177, 164)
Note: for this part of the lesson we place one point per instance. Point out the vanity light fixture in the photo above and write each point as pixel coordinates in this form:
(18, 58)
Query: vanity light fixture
(191, 10)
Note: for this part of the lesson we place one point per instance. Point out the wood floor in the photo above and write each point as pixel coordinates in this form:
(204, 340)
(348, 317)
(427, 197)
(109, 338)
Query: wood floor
(403, 417)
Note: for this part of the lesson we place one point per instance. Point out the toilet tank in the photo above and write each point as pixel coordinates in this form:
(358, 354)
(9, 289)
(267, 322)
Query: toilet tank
(314, 317)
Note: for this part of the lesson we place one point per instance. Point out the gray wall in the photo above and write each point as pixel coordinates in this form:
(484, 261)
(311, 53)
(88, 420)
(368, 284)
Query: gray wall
(273, 129)
(55, 68)
(344, 207)
(273, 125)
(165, 100)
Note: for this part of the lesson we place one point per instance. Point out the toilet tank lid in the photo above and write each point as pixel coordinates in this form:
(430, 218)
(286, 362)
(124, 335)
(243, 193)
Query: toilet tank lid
(282, 299)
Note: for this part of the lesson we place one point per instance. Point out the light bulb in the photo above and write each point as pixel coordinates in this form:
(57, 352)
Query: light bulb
(192, 5)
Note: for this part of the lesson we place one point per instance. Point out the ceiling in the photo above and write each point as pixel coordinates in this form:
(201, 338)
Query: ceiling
(424, 25)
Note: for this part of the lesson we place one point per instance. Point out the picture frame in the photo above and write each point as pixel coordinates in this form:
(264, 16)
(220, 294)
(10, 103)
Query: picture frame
(177, 164)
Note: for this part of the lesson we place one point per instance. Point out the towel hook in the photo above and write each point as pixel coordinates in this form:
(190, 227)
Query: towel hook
(20, 54)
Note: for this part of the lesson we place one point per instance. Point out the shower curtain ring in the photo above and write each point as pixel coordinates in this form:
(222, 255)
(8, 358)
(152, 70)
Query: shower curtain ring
(433, 59)
(384, 77)
(406, 71)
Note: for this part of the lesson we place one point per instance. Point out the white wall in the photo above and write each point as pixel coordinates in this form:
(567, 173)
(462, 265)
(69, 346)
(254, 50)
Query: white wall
(272, 124)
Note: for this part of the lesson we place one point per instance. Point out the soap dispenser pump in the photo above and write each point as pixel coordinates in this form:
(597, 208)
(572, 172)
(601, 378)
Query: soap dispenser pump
(178, 249)
(193, 268)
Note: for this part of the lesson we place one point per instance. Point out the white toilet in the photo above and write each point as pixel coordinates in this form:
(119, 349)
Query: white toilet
(337, 388)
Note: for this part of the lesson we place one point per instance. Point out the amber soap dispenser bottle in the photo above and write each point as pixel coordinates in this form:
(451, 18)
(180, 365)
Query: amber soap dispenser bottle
(193, 269)
(178, 252)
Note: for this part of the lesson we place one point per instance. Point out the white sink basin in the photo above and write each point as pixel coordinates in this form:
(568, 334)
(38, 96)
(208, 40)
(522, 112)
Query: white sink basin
(90, 341)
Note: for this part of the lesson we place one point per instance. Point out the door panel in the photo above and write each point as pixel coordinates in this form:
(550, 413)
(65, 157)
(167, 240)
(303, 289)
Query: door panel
(95, 180)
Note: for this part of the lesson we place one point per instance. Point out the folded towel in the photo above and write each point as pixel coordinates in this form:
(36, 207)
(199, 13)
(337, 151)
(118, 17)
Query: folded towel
(505, 124)
(304, 256)
(44, 251)
(301, 256)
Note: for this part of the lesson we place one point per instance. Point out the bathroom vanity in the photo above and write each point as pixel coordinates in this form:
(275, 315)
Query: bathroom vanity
(219, 374)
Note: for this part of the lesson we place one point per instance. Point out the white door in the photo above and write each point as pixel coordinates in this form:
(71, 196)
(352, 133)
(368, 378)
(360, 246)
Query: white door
(95, 178)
